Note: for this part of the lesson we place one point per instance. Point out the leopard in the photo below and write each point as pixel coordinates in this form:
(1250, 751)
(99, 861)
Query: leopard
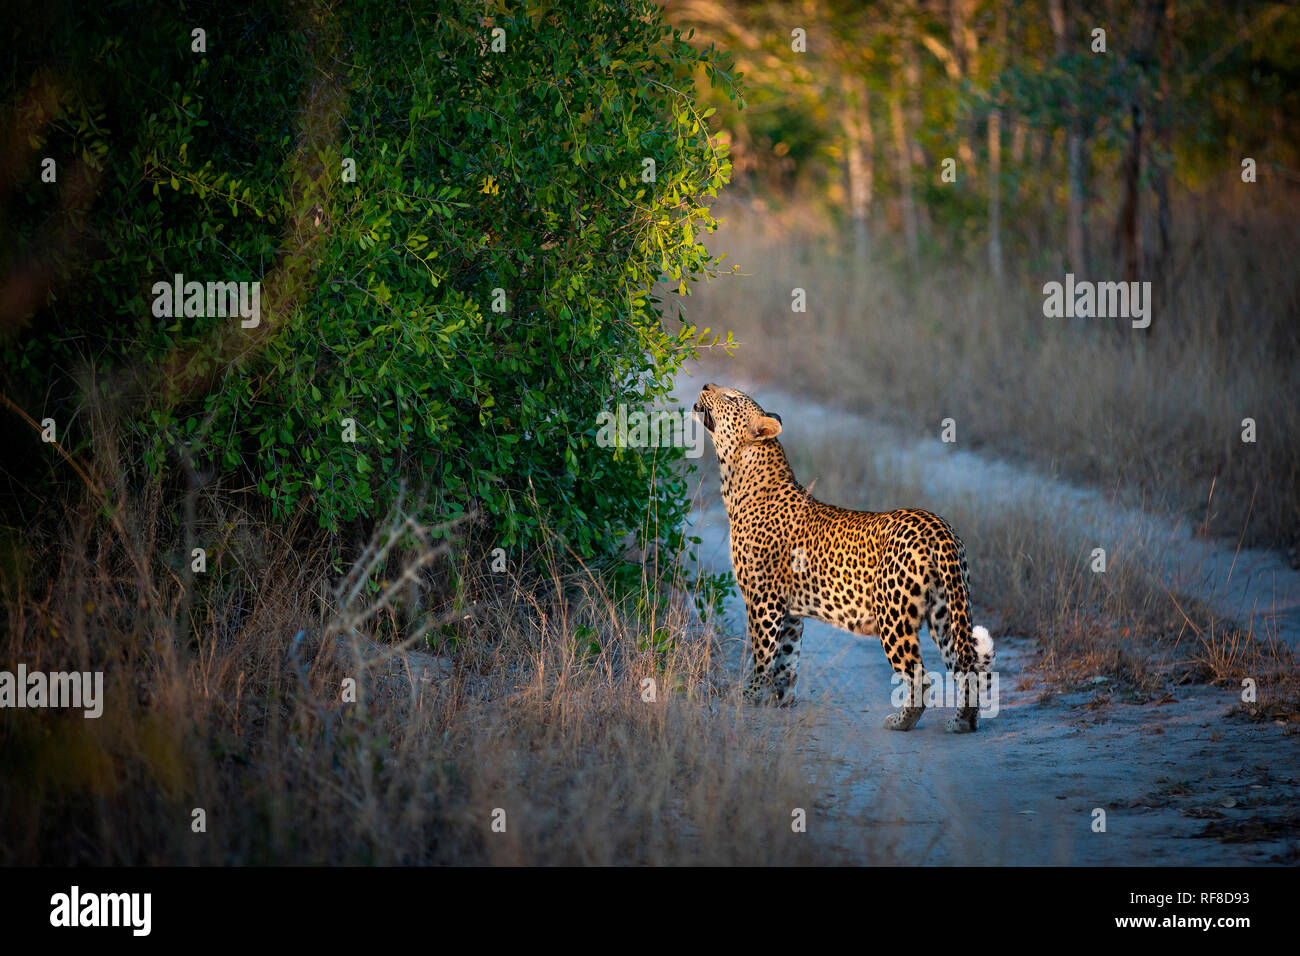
(872, 574)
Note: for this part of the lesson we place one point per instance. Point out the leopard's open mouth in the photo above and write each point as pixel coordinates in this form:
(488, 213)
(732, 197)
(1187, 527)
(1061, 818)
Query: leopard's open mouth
(706, 417)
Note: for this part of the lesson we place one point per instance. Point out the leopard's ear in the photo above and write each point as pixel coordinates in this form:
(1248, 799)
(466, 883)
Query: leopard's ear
(761, 429)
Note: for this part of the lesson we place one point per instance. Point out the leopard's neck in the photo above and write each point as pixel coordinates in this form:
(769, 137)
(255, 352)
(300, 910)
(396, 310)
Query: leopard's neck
(756, 469)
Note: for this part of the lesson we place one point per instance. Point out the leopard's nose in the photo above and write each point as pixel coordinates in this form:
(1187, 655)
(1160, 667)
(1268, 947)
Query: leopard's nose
(710, 387)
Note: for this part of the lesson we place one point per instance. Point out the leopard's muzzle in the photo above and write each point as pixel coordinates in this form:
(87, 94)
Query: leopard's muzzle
(706, 416)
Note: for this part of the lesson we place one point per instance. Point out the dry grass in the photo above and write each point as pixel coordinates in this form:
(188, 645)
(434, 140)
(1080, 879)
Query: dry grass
(1154, 415)
(1260, 665)
(476, 692)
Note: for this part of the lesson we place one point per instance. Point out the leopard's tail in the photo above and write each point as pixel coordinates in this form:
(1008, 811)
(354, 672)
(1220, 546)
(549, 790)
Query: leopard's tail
(984, 653)
(968, 644)
(981, 642)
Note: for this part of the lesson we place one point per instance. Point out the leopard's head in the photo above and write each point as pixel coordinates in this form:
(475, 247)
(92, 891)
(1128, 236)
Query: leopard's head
(734, 421)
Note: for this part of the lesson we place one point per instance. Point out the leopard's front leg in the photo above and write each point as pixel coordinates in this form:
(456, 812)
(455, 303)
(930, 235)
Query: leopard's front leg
(785, 664)
(765, 626)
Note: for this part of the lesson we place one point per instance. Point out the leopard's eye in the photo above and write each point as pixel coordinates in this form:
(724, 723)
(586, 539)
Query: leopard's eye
(732, 398)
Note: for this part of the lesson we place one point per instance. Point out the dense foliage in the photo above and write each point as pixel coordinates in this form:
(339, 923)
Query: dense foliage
(471, 302)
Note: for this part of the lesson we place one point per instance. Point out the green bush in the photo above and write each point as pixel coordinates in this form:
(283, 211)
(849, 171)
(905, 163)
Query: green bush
(476, 169)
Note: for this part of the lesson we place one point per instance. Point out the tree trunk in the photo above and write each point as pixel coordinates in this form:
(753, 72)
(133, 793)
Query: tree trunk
(860, 149)
(902, 150)
(1019, 139)
(1130, 220)
(1162, 140)
(1047, 144)
(1075, 232)
(1130, 216)
(911, 54)
(995, 156)
(965, 48)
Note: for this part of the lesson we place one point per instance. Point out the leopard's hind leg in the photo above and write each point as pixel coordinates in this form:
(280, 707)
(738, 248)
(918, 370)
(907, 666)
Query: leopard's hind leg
(900, 627)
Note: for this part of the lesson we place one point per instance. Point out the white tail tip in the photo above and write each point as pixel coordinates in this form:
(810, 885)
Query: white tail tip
(983, 643)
